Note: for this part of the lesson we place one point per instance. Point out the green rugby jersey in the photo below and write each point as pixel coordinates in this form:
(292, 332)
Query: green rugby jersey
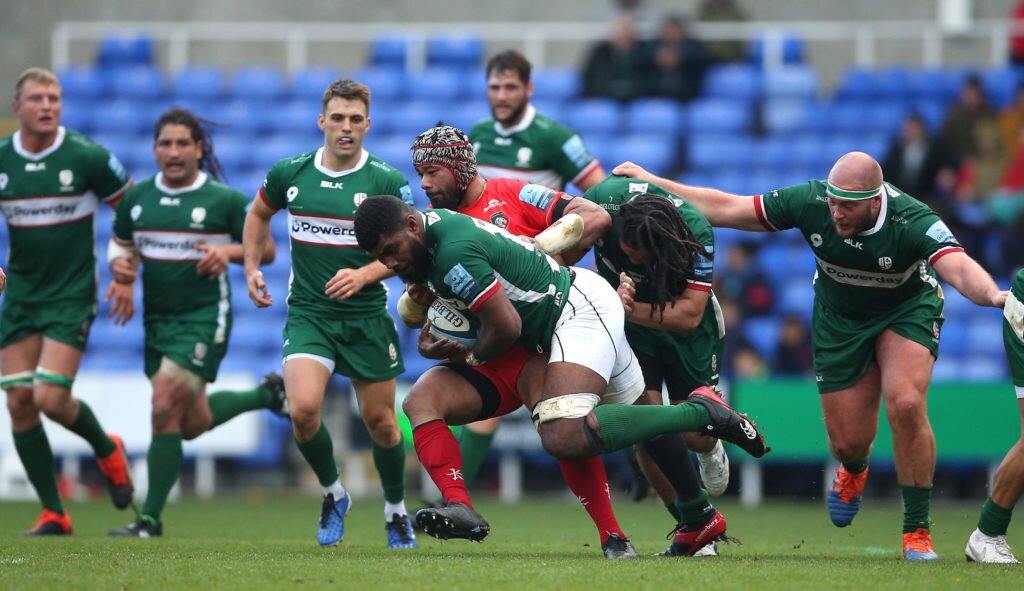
(1018, 285)
(537, 150)
(165, 225)
(875, 270)
(49, 200)
(321, 204)
(473, 259)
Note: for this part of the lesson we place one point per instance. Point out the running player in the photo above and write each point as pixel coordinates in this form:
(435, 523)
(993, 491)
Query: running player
(337, 310)
(181, 224)
(52, 180)
(988, 542)
(877, 315)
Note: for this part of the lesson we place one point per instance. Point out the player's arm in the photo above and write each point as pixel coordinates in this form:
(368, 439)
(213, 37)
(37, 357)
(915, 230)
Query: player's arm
(590, 178)
(969, 278)
(348, 282)
(123, 258)
(596, 221)
(255, 236)
(500, 325)
(723, 210)
(683, 314)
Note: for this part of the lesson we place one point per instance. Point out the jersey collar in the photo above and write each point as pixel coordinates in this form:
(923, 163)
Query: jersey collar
(526, 121)
(159, 181)
(38, 155)
(318, 159)
(881, 213)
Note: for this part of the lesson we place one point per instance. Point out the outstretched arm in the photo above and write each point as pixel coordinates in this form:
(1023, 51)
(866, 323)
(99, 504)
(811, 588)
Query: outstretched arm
(969, 278)
(255, 236)
(723, 210)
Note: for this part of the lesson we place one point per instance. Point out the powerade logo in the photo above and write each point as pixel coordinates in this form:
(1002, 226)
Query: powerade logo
(462, 283)
(165, 245)
(537, 196)
(322, 231)
(60, 210)
(301, 226)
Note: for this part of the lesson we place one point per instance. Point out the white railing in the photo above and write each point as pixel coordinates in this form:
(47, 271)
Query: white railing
(534, 37)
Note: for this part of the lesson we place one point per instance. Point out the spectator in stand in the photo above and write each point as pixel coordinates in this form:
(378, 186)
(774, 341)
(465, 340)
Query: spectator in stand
(1017, 34)
(979, 173)
(958, 135)
(793, 354)
(674, 62)
(744, 282)
(1011, 121)
(723, 11)
(612, 67)
(749, 365)
(918, 163)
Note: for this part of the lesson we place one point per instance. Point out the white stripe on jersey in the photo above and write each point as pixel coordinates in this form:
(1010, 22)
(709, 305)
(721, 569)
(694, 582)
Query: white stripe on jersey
(49, 211)
(521, 295)
(223, 309)
(175, 246)
(322, 231)
(859, 278)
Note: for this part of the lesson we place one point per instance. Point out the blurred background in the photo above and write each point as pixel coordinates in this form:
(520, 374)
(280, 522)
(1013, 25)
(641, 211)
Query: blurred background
(742, 95)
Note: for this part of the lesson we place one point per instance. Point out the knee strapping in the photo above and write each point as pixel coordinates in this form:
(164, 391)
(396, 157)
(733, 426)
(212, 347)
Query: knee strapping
(567, 406)
(52, 377)
(22, 379)
(179, 374)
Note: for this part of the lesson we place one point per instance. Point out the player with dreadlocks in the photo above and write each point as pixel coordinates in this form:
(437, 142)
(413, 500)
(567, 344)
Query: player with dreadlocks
(182, 224)
(659, 255)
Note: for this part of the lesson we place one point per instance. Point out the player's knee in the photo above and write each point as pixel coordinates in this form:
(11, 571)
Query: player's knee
(169, 406)
(564, 439)
(420, 406)
(906, 411)
(21, 404)
(849, 451)
(381, 423)
(53, 401)
(305, 416)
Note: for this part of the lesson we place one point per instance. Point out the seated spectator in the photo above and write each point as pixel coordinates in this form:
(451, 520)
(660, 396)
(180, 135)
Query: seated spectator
(743, 282)
(1011, 121)
(611, 68)
(972, 108)
(793, 355)
(979, 173)
(749, 365)
(723, 11)
(674, 62)
(918, 164)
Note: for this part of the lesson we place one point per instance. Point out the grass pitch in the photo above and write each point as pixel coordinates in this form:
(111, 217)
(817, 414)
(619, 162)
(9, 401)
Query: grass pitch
(258, 542)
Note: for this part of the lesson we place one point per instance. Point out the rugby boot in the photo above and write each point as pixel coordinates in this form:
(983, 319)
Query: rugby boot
(714, 470)
(142, 527)
(115, 469)
(275, 383)
(51, 523)
(727, 424)
(844, 498)
(618, 548)
(690, 538)
(454, 520)
(917, 545)
(331, 527)
(399, 530)
(991, 549)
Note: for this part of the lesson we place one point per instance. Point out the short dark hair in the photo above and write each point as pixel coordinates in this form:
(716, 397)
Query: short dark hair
(651, 224)
(380, 215)
(510, 59)
(347, 89)
(178, 116)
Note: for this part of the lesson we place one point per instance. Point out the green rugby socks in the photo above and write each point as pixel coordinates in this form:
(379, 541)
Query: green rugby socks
(37, 458)
(163, 466)
(319, 454)
(88, 428)
(474, 447)
(227, 405)
(624, 425)
(390, 465)
(994, 520)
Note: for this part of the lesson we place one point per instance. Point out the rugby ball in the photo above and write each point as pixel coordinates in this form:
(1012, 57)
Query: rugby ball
(448, 322)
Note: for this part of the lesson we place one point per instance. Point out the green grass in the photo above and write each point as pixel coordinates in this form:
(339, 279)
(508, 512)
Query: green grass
(262, 542)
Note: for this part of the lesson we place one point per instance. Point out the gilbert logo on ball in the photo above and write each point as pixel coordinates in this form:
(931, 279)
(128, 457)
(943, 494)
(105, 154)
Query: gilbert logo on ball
(448, 322)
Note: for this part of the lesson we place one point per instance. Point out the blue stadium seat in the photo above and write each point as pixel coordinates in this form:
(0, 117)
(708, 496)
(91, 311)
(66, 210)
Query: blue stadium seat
(295, 117)
(847, 116)
(597, 115)
(810, 151)
(816, 118)
(935, 83)
(763, 333)
(714, 151)
(242, 116)
(792, 48)
(77, 114)
(125, 49)
(234, 150)
(386, 83)
(984, 368)
(257, 83)
(435, 84)
(655, 152)
(310, 83)
(561, 83)
(891, 84)
(886, 117)
(796, 297)
(393, 149)
(730, 180)
(795, 81)
(946, 368)
(414, 118)
(122, 116)
(985, 334)
(782, 116)
(466, 114)
(796, 259)
(932, 111)
(654, 115)
(603, 147)
(1001, 85)
(856, 84)
(137, 83)
(733, 81)
(713, 115)
(553, 108)
(199, 82)
(455, 49)
(954, 334)
(273, 148)
(390, 51)
(82, 83)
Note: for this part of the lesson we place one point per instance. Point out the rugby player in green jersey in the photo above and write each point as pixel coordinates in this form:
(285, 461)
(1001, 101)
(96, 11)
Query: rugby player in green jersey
(659, 255)
(52, 180)
(988, 542)
(518, 142)
(877, 316)
(521, 295)
(185, 227)
(338, 320)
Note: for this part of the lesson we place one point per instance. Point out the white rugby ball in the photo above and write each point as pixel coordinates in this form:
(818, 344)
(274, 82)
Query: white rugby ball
(447, 322)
